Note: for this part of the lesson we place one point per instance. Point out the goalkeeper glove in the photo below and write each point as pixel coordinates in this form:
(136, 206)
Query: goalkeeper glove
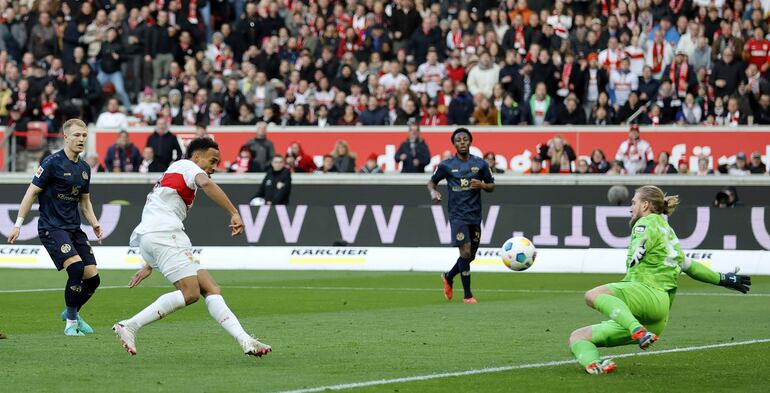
(735, 281)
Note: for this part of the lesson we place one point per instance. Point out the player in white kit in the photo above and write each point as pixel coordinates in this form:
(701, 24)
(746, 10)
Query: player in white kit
(166, 248)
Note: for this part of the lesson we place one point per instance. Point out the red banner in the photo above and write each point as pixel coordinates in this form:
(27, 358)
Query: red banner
(514, 147)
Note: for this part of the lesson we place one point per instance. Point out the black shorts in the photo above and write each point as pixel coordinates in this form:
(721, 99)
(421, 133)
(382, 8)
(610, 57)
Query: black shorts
(62, 245)
(463, 233)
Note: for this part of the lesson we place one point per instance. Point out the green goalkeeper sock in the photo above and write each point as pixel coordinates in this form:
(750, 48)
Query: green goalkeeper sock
(585, 352)
(617, 310)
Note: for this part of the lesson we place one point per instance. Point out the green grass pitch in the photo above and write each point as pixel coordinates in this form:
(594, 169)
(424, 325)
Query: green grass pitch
(332, 328)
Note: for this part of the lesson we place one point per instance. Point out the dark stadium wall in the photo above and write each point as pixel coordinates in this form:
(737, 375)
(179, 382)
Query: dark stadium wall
(387, 215)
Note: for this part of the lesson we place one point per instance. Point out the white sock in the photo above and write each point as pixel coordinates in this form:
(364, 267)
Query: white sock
(222, 314)
(166, 304)
(70, 322)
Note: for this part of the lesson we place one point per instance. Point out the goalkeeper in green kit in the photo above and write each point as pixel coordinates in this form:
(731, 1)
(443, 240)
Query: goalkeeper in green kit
(638, 305)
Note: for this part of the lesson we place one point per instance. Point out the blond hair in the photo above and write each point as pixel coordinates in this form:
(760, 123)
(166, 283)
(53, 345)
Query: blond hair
(660, 203)
(338, 145)
(73, 123)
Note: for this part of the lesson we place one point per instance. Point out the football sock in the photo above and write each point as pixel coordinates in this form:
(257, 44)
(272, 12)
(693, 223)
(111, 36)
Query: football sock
(616, 310)
(164, 305)
(465, 276)
(89, 287)
(222, 314)
(73, 289)
(585, 352)
(455, 270)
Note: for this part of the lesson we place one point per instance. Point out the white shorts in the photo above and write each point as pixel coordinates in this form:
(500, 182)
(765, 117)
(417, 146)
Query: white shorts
(169, 253)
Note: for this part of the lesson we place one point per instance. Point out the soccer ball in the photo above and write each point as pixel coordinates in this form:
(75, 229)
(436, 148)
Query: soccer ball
(518, 253)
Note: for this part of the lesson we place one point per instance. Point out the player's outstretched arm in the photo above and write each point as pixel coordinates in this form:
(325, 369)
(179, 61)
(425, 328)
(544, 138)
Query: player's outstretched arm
(88, 212)
(220, 198)
(702, 273)
(26, 205)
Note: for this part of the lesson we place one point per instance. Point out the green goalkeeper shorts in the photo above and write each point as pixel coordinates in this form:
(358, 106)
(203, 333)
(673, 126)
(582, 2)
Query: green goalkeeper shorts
(650, 306)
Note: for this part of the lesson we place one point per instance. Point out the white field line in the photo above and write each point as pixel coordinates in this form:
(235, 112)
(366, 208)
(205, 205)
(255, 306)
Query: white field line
(556, 291)
(53, 289)
(512, 367)
(390, 289)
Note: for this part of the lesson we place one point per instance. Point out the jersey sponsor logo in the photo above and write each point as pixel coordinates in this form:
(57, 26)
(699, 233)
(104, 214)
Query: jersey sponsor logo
(39, 172)
(640, 229)
(175, 181)
(465, 183)
(85, 175)
(73, 196)
(65, 248)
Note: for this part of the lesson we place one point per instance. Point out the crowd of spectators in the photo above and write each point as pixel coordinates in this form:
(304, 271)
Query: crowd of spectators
(378, 62)
(634, 156)
(375, 62)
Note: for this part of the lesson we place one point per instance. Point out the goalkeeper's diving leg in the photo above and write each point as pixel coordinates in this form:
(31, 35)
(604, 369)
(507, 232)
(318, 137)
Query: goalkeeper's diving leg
(639, 314)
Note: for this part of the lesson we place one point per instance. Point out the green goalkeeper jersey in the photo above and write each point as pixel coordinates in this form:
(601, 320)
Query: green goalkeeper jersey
(654, 256)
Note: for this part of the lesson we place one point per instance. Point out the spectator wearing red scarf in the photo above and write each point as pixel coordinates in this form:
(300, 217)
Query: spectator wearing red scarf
(681, 75)
(300, 161)
(433, 117)
(243, 163)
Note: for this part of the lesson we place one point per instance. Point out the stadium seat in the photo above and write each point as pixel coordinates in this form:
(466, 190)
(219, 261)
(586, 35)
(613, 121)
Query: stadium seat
(36, 135)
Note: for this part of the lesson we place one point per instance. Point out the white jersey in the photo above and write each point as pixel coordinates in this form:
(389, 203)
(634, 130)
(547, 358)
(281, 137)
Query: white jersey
(433, 75)
(650, 58)
(635, 155)
(636, 57)
(391, 82)
(623, 83)
(168, 203)
(610, 59)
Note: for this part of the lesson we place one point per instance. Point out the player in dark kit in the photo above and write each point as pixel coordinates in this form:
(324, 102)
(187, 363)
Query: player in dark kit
(62, 185)
(466, 176)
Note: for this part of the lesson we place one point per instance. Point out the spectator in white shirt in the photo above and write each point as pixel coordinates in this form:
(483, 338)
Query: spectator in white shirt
(634, 152)
(623, 82)
(149, 108)
(394, 78)
(483, 77)
(689, 41)
(112, 118)
(658, 55)
(431, 72)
